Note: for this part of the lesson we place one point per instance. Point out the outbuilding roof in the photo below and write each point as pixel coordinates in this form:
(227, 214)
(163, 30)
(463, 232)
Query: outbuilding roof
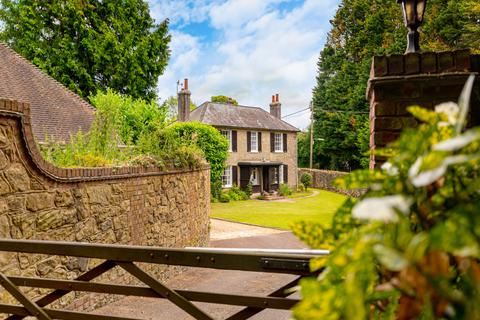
(232, 116)
(55, 110)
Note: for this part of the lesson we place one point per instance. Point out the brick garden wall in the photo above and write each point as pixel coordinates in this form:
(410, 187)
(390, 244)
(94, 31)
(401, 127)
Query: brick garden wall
(425, 79)
(322, 179)
(126, 205)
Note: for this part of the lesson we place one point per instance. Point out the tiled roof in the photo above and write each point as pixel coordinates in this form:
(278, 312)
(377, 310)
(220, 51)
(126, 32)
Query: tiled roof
(226, 115)
(55, 110)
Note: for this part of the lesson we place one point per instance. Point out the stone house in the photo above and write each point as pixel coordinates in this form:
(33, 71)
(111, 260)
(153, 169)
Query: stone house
(262, 147)
(56, 112)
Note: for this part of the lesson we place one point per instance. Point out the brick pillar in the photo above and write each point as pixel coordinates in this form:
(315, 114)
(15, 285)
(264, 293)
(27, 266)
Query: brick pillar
(426, 79)
(184, 103)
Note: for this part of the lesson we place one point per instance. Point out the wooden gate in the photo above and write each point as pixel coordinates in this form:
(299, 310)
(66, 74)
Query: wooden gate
(295, 262)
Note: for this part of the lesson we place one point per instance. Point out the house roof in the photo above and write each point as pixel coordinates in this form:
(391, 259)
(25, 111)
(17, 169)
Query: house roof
(55, 110)
(227, 115)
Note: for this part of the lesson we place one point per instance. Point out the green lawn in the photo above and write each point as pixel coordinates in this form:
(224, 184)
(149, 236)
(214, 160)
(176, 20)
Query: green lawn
(278, 214)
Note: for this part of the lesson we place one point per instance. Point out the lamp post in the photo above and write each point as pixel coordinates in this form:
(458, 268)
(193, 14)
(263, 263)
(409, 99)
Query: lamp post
(413, 11)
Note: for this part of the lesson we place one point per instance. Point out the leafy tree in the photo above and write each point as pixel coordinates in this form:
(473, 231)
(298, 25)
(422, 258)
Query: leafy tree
(90, 45)
(360, 30)
(224, 99)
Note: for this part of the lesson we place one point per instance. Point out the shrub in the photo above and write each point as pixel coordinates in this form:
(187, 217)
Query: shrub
(236, 194)
(306, 180)
(300, 188)
(249, 190)
(409, 248)
(284, 190)
(224, 198)
(205, 138)
(131, 117)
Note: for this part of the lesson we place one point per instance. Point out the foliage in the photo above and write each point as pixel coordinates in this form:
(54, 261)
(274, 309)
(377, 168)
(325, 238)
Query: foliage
(132, 117)
(121, 123)
(360, 30)
(303, 149)
(284, 190)
(224, 99)
(410, 247)
(99, 147)
(300, 188)
(236, 194)
(90, 45)
(306, 180)
(318, 208)
(224, 198)
(249, 189)
(194, 136)
(216, 190)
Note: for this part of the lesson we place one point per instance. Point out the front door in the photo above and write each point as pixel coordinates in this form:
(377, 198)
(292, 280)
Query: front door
(266, 179)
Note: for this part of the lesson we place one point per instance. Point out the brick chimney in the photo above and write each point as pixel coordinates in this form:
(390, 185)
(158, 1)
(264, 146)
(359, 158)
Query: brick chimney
(276, 107)
(184, 103)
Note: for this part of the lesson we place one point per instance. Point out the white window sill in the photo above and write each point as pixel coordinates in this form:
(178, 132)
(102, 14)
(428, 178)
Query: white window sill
(277, 151)
(227, 186)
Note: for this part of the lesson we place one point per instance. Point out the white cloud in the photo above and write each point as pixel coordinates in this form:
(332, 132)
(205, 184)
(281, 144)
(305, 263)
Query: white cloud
(260, 50)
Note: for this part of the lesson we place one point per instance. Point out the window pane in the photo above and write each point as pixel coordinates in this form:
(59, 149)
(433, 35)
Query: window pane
(253, 141)
(227, 177)
(278, 142)
(228, 134)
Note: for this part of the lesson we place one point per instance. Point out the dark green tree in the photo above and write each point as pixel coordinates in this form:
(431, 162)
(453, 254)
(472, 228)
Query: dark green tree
(90, 45)
(360, 30)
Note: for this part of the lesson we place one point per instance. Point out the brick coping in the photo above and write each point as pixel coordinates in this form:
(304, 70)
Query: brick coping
(421, 66)
(21, 111)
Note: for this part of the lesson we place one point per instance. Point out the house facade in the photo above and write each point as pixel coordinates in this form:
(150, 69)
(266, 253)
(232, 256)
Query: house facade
(262, 147)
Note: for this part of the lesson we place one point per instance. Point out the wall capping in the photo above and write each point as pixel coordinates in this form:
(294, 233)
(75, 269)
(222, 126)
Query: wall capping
(21, 111)
(424, 65)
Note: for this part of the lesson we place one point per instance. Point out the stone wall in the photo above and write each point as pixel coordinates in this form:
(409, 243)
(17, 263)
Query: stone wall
(425, 79)
(125, 205)
(322, 179)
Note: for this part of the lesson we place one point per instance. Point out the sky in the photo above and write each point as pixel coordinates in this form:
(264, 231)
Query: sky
(246, 49)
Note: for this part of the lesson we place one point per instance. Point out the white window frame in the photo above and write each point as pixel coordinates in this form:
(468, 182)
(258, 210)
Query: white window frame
(254, 177)
(276, 176)
(254, 141)
(228, 134)
(227, 177)
(278, 142)
(280, 174)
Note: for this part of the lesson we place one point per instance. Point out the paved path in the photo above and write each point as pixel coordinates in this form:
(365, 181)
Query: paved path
(222, 281)
(222, 229)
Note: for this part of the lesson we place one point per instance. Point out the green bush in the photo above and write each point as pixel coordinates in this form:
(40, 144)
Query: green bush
(300, 188)
(249, 190)
(224, 198)
(130, 117)
(205, 138)
(236, 194)
(409, 248)
(306, 180)
(284, 190)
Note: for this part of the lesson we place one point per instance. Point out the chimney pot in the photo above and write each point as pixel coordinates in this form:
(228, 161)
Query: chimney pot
(273, 98)
(276, 97)
(185, 84)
